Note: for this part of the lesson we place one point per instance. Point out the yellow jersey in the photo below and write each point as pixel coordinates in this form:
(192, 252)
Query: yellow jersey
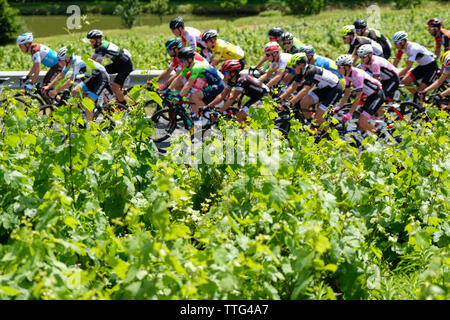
(225, 50)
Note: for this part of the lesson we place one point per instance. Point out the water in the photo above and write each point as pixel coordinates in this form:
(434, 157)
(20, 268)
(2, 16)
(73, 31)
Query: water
(44, 26)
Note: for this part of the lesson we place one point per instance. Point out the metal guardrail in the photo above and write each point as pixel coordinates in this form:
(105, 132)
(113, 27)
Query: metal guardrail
(11, 79)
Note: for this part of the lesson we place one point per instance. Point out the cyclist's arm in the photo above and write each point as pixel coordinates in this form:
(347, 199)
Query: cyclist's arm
(54, 81)
(287, 77)
(301, 94)
(35, 72)
(173, 77)
(266, 75)
(445, 93)
(219, 98)
(231, 100)
(187, 87)
(289, 91)
(65, 85)
(263, 59)
(436, 84)
(165, 74)
(213, 62)
(397, 59)
(356, 101)
(276, 79)
(406, 69)
(344, 99)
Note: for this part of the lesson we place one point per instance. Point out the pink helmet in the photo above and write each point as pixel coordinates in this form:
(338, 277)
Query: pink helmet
(272, 47)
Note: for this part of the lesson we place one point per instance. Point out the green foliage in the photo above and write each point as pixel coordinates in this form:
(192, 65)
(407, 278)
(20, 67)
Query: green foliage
(129, 11)
(160, 8)
(400, 4)
(233, 4)
(305, 6)
(9, 23)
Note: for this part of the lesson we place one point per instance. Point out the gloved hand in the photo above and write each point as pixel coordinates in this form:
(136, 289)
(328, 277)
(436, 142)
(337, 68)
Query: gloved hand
(29, 86)
(347, 117)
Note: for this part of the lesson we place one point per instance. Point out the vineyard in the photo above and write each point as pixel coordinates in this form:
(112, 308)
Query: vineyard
(92, 214)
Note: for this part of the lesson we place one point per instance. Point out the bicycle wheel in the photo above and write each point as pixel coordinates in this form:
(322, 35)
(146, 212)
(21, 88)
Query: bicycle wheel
(151, 107)
(163, 123)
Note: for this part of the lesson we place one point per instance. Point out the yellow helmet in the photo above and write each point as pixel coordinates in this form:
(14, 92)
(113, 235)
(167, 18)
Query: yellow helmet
(445, 56)
(348, 29)
(297, 58)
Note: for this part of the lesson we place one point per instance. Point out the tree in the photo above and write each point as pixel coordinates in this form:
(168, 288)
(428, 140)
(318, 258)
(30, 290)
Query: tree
(305, 6)
(233, 4)
(129, 12)
(8, 22)
(160, 8)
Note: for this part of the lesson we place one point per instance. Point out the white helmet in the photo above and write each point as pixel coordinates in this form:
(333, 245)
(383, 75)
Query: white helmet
(399, 36)
(344, 60)
(25, 38)
(364, 50)
(62, 54)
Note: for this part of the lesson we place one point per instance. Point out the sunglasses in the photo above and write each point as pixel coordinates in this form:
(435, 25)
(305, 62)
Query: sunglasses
(290, 70)
(345, 37)
(225, 73)
(287, 42)
(182, 60)
(169, 50)
(92, 40)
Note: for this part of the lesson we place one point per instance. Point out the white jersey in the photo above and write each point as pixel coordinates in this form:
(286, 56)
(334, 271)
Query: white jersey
(281, 63)
(193, 38)
(418, 53)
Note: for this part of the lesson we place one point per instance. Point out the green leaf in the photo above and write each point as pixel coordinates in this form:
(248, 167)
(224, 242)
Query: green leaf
(88, 104)
(121, 269)
(9, 291)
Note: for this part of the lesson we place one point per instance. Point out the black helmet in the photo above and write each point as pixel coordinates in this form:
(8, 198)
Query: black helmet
(360, 24)
(176, 23)
(173, 43)
(94, 34)
(276, 32)
(186, 53)
(209, 34)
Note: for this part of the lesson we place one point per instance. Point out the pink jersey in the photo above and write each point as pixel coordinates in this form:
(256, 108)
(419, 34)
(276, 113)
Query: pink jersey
(379, 66)
(176, 63)
(362, 81)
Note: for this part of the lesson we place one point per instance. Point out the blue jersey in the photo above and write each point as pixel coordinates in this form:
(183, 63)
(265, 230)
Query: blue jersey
(326, 63)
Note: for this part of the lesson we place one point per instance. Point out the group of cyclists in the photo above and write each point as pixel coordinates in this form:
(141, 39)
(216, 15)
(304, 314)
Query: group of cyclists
(209, 71)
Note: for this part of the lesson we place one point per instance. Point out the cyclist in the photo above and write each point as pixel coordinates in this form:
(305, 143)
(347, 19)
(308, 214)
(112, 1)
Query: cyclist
(93, 86)
(274, 35)
(327, 89)
(244, 84)
(290, 43)
(202, 77)
(120, 61)
(380, 69)
(173, 46)
(363, 84)
(221, 49)
(445, 62)
(320, 61)
(427, 67)
(348, 35)
(278, 62)
(441, 35)
(67, 62)
(362, 30)
(40, 54)
(189, 36)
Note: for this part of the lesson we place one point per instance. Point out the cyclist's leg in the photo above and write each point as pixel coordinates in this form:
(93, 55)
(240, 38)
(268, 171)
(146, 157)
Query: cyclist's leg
(49, 76)
(371, 106)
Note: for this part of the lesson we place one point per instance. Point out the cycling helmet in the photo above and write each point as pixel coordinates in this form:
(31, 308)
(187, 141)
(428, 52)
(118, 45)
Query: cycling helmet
(297, 58)
(231, 65)
(209, 34)
(173, 43)
(94, 34)
(399, 36)
(62, 54)
(176, 23)
(347, 30)
(186, 53)
(276, 32)
(272, 47)
(364, 50)
(287, 36)
(308, 50)
(344, 60)
(434, 23)
(360, 24)
(25, 38)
